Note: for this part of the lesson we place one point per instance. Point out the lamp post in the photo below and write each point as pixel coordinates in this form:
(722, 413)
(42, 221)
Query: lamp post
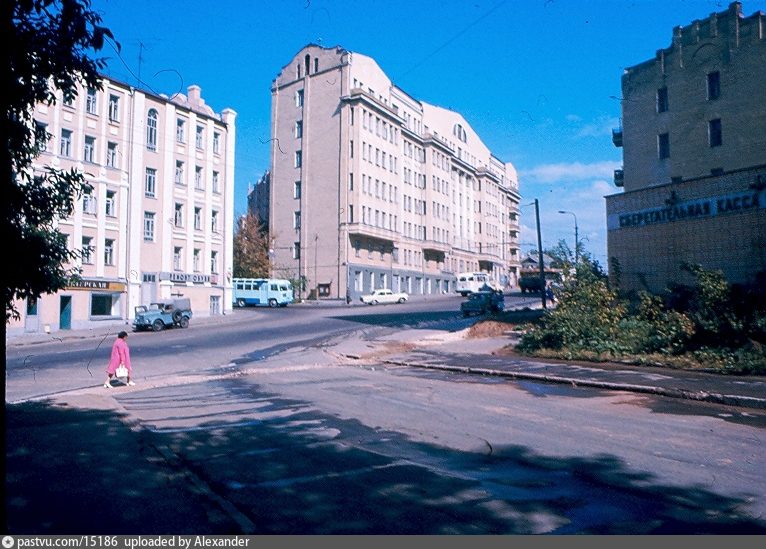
(577, 253)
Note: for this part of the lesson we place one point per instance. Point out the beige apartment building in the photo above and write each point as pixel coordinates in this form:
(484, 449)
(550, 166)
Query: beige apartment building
(372, 188)
(694, 156)
(158, 220)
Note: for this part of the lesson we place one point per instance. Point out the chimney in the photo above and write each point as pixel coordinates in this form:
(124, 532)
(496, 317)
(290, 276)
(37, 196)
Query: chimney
(193, 94)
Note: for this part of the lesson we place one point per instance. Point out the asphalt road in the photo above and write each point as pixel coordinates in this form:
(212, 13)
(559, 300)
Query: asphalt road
(267, 428)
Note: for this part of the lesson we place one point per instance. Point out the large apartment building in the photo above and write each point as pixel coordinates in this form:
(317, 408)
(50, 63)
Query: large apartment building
(373, 188)
(694, 157)
(158, 220)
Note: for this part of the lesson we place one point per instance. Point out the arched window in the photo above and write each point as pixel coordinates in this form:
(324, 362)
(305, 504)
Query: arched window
(308, 64)
(151, 130)
(459, 132)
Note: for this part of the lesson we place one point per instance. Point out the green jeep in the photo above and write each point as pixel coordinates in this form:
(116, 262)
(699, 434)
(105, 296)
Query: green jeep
(164, 313)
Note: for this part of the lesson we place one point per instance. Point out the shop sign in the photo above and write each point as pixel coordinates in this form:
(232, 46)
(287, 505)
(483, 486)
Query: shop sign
(195, 278)
(95, 284)
(692, 209)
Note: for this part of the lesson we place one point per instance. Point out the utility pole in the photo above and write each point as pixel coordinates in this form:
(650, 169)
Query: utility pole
(540, 252)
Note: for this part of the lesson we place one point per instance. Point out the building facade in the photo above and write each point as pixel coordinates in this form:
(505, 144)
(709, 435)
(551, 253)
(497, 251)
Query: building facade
(158, 220)
(258, 199)
(372, 188)
(694, 157)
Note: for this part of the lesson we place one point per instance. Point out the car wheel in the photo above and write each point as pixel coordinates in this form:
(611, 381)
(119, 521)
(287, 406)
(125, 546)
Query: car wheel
(241, 302)
(177, 316)
(184, 322)
(401, 300)
(273, 303)
(374, 302)
(158, 325)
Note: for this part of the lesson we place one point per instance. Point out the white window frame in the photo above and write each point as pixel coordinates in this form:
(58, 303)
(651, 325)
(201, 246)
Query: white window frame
(114, 108)
(150, 182)
(149, 226)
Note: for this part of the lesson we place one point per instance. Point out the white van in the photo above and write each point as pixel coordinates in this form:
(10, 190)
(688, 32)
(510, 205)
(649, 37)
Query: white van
(263, 292)
(468, 283)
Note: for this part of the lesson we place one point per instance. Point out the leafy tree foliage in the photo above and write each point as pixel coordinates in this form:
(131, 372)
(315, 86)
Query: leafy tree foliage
(49, 48)
(251, 248)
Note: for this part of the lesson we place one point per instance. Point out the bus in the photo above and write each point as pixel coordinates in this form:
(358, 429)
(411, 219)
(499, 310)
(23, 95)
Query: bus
(468, 283)
(262, 292)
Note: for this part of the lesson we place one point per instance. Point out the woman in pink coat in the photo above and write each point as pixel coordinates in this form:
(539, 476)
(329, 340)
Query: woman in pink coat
(120, 355)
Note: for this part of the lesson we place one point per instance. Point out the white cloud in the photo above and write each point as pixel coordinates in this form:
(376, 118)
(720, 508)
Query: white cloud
(572, 171)
(601, 127)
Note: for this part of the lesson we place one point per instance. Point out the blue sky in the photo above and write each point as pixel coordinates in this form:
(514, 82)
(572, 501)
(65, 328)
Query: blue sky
(539, 80)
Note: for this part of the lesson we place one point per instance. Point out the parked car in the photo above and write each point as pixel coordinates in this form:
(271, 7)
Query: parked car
(531, 284)
(483, 302)
(162, 314)
(384, 295)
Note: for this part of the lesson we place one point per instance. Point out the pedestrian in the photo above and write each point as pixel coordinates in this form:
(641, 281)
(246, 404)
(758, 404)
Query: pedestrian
(120, 356)
(549, 294)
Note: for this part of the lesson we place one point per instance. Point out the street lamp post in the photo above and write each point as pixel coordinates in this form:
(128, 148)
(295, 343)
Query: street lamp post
(577, 252)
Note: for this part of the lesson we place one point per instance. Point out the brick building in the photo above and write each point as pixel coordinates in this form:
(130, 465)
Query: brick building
(694, 156)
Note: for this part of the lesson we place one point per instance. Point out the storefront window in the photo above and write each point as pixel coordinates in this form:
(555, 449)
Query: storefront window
(103, 304)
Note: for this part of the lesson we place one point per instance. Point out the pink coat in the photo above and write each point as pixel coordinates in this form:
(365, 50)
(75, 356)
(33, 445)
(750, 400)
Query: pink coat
(120, 354)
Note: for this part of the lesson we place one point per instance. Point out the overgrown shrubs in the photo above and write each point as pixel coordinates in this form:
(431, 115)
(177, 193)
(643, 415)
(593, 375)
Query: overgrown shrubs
(707, 325)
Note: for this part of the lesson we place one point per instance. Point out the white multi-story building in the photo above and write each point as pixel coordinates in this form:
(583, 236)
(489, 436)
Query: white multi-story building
(373, 188)
(158, 220)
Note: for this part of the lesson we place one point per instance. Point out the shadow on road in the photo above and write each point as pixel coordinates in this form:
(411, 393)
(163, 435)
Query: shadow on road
(290, 469)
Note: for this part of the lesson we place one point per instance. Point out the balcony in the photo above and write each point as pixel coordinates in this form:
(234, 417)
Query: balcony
(617, 137)
(618, 178)
(360, 229)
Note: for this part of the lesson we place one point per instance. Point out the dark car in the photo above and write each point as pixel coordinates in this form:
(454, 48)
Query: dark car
(483, 302)
(531, 284)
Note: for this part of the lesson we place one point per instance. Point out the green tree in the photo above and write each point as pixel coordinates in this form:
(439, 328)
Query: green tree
(49, 48)
(251, 248)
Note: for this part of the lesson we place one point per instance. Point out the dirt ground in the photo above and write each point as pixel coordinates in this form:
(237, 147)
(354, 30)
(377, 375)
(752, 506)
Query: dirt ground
(503, 323)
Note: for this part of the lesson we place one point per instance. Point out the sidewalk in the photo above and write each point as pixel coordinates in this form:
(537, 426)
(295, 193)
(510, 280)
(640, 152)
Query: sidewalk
(454, 352)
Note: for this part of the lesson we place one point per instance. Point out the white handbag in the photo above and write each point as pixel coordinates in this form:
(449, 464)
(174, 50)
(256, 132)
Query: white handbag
(122, 371)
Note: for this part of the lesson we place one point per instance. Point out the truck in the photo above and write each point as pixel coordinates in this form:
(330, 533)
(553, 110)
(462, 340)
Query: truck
(532, 284)
(163, 313)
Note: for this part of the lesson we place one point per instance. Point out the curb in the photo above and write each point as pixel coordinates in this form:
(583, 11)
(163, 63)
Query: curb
(701, 396)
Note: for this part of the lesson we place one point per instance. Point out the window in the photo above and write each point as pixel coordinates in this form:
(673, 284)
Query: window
(299, 98)
(199, 138)
(298, 159)
(199, 182)
(87, 250)
(296, 220)
(179, 179)
(41, 136)
(108, 252)
(181, 130)
(663, 145)
(297, 189)
(110, 207)
(316, 64)
(88, 202)
(178, 216)
(114, 108)
(713, 85)
(90, 101)
(31, 306)
(662, 99)
(198, 219)
(149, 226)
(196, 259)
(216, 142)
(715, 135)
(214, 262)
(299, 129)
(90, 144)
(111, 155)
(151, 130)
(102, 304)
(150, 182)
(296, 250)
(216, 187)
(214, 221)
(178, 258)
(65, 148)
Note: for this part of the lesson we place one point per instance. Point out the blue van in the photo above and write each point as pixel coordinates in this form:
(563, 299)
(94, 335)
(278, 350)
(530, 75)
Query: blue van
(262, 292)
